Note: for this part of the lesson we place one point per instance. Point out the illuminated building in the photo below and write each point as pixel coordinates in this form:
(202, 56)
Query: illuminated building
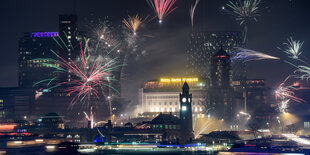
(69, 34)
(186, 120)
(220, 92)
(31, 46)
(220, 72)
(163, 96)
(202, 47)
(38, 45)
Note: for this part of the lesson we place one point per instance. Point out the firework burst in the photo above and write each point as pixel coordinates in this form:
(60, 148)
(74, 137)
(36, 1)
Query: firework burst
(286, 93)
(103, 32)
(244, 12)
(162, 7)
(293, 48)
(89, 73)
(304, 72)
(133, 23)
(245, 55)
(283, 105)
(192, 12)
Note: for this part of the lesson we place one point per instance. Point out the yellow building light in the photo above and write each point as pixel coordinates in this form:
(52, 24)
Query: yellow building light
(175, 80)
(164, 80)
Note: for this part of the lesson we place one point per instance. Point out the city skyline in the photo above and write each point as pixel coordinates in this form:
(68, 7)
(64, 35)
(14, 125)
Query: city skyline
(155, 76)
(263, 36)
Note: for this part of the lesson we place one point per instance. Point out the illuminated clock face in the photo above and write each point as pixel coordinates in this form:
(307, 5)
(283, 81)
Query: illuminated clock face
(189, 99)
(183, 99)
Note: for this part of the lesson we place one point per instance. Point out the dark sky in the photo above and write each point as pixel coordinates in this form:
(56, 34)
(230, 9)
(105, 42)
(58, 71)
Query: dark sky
(279, 20)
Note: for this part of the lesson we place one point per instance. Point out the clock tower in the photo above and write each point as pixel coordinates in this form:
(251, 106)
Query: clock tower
(186, 122)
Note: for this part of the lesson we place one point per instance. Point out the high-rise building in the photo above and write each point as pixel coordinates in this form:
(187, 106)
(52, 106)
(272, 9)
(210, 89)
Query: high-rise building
(220, 92)
(68, 37)
(31, 47)
(202, 47)
(253, 92)
(221, 70)
(36, 45)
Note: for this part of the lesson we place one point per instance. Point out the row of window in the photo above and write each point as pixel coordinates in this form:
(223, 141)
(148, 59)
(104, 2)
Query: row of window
(174, 109)
(170, 103)
(170, 127)
(162, 97)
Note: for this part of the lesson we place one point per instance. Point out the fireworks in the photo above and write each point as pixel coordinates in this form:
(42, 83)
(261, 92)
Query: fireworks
(286, 93)
(103, 32)
(244, 12)
(162, 7)
(245, 55)
(133, 23)
(283, 105)
(89, 74)
(304, 71)
(293, 48)
(192, 12)
(90, 117)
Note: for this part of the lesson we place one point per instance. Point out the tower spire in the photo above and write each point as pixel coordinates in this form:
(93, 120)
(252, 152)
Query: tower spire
(185, 88)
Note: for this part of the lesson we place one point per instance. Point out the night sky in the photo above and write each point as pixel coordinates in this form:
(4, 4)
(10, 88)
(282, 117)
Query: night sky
(166, 52)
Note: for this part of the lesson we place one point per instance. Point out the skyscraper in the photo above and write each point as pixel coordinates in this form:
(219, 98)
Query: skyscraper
(38, 45)
(32, 46)
(220, 71)
(220, 92)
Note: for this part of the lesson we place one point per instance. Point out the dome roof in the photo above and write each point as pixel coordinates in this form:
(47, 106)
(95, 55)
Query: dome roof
(165, 119)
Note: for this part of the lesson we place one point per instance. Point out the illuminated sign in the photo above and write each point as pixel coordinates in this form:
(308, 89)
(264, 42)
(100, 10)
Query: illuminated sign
(43, 34)
(174, 80)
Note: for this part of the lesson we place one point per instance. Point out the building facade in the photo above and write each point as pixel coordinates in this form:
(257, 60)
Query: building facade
(16, 103)
(163, 96)
(220, 92)
(31, 47)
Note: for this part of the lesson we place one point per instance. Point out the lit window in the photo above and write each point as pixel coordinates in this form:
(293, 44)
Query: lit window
(183, 108)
